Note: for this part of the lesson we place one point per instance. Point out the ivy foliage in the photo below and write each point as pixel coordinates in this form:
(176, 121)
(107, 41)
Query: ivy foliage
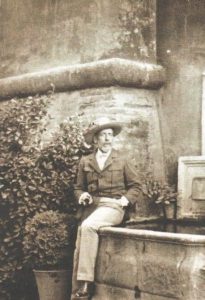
(137, 26)
(33, 179)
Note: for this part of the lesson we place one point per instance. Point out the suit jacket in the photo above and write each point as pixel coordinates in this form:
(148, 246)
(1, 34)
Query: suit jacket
(118, 178)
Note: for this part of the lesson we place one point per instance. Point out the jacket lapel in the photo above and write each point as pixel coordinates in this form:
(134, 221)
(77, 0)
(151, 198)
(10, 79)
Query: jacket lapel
(93, 163)
(109, 161)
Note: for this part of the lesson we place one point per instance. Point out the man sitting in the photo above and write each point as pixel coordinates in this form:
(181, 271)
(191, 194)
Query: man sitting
(108, 182)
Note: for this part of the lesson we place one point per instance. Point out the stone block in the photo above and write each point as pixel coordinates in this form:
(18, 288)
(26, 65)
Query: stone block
(191, 187)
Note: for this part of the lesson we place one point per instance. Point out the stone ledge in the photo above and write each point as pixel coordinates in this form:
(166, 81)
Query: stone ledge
(103, 73)
(149, 235)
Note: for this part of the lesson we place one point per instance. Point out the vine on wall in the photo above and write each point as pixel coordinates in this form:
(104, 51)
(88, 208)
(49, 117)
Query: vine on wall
(138, 24)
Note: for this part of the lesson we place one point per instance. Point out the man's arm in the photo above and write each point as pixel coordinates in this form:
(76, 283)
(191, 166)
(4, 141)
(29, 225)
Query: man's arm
(81, 184)
(80, 188)
(132, 183)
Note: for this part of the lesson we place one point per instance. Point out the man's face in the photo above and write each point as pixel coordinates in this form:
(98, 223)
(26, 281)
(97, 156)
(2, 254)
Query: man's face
(104, 139)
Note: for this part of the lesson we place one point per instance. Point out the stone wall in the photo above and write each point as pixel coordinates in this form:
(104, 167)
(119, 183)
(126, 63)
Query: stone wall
(37, 35)
(181, 50)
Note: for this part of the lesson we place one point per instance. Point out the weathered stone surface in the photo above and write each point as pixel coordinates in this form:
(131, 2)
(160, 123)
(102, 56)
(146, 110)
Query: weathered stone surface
(162, 265)
(102, 73)
(159, 269)
(38, 35)
(116, 266)
(145, 296)
(105, 292)
(181, 50)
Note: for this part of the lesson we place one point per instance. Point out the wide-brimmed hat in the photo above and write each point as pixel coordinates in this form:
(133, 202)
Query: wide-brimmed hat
(100, 124)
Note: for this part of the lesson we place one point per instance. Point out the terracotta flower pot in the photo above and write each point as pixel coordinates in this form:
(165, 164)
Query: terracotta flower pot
(53, 285)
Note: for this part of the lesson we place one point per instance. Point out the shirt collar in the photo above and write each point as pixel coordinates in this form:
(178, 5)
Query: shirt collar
(103, 154)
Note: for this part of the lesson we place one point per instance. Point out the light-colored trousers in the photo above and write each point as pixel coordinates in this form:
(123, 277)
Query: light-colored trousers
(106, 214)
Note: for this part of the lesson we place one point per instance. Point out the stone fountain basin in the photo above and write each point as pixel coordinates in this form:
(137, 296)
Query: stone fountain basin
(150, 265)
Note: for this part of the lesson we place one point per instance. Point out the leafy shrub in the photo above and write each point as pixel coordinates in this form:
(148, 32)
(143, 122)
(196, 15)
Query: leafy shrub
(32, 179)
(161, 194)
(19, 120)
(49, 240)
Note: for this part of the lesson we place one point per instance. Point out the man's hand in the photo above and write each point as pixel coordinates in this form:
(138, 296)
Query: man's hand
(124, 202)
(85, 199)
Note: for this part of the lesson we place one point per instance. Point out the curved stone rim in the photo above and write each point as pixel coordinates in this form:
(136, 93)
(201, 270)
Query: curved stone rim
(102, 73)
(155, 236)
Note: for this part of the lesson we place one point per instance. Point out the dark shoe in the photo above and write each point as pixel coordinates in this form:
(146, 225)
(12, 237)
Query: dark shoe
(86, 291)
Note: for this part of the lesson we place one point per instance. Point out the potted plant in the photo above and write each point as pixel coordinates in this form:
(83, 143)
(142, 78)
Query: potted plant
(48, 248)
(163, 195)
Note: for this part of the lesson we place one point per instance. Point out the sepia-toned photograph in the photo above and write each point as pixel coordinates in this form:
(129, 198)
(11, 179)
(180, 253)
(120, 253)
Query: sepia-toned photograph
(102, 149)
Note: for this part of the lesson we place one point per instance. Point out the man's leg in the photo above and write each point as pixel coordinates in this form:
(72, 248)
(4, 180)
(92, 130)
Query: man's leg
(75, 284)
(101, 217)
(84, 213)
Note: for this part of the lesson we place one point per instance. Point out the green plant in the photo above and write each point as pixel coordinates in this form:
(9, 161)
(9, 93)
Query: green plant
(137, 26)
(32, 178)
(49, 240)
(19, 122)
(161, 194)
